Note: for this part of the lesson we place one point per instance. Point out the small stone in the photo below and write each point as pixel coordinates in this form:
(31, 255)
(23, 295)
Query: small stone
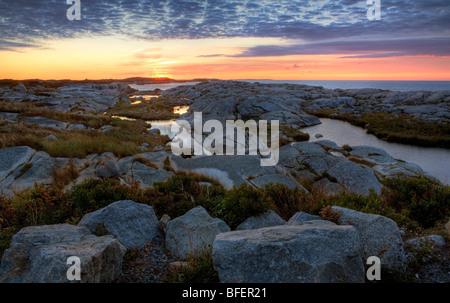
(318, 136)
(438, 241)
(51, 137)
(155, 131)
(162, 223)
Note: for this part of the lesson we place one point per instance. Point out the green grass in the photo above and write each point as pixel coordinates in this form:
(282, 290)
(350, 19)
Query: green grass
(124, 140)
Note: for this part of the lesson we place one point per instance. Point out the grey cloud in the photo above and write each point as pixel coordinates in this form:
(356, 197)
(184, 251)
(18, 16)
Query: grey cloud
(439, 46)
(35, 21)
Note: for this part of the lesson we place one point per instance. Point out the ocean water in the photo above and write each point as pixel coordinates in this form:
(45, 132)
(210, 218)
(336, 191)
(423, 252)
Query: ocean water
(162, 86)
(386, 85)
(431, 159)
(331, 84)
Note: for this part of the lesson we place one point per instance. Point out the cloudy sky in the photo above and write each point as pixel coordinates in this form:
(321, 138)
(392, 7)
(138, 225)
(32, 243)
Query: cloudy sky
(238, 39)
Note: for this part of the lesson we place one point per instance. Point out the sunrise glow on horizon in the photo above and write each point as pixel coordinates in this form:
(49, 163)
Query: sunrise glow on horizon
(224, 41)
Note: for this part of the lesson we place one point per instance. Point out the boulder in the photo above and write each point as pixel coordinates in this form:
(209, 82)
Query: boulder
(301, 217)
(107, 168)
(309, 253)
(39, 254)
(354, 177)
(133, 224)
(380, 236)
(193, 232)
(267, 219)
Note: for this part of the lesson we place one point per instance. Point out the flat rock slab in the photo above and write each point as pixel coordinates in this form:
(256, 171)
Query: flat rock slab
(45, 122)
(264, 180)
(11, 158)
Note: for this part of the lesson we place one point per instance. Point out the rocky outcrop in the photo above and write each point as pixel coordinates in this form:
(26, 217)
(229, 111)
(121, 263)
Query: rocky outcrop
(87, 97)
(132, 224)
(288, 102)
(379, 236)
(39, 254)
(193, 232)
(12, 158)
(309, 253)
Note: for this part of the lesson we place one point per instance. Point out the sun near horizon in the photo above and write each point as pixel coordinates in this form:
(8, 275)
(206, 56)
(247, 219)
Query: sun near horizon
(112, 58)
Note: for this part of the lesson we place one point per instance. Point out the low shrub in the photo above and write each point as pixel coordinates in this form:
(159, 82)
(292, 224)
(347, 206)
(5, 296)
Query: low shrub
(182, 192)
(199, 269)
(423, 200)
(242, 202)
(287, 201)
(93, 194)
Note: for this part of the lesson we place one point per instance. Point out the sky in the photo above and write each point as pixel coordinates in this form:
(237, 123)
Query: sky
(237, 39)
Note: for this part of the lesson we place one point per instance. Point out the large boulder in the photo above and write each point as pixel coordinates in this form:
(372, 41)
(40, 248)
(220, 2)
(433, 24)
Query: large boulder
(39, 254)
(380, 236)
(133, 224)
(307, 253)
(193, 232)
(267, 219)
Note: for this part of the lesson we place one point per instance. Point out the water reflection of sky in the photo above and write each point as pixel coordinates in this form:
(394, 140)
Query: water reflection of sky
(163, 86)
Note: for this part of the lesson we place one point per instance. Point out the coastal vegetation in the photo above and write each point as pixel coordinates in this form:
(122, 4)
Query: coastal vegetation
(156, 109)
(418, 205)
(396, 128)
